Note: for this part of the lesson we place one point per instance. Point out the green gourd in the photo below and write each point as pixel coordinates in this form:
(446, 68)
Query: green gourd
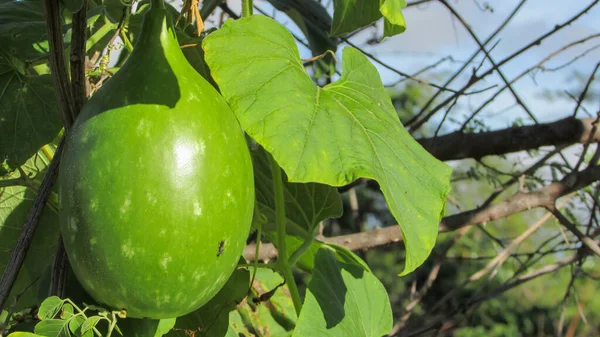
(156, 184)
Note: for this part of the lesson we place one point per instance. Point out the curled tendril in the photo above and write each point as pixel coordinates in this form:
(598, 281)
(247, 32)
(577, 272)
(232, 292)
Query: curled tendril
(127, 3)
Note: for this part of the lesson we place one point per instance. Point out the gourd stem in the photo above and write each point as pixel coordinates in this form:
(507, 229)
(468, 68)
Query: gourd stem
(157, 4)
(282, 258)
(246, 8)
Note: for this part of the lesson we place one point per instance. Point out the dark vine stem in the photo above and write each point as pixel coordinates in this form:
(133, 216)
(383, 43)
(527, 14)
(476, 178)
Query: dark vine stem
(282, 258)
(79, 92)
(26, 237)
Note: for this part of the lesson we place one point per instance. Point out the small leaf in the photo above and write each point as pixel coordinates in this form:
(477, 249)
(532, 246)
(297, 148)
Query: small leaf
(50, 307)
(76, 324)
(53, 328)
(164, 326)
(393, 18)
(134, 327)
(90, 323)
(24, 334)
(343, 300)
(332, 135)
(66, 311)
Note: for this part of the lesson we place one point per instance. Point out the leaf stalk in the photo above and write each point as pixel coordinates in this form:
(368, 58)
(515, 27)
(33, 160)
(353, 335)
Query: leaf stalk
(246, 8)
(282, 260)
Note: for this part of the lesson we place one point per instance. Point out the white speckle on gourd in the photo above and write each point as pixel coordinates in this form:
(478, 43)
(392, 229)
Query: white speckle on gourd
(165, 260)
(151, 198)
(198, 275)
(93, 241)
(94, 205)
(197, 209)
(126, 250)
(126, 205)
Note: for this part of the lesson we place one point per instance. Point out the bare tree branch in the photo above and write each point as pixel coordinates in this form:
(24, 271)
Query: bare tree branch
(520, 202)
(459, 145)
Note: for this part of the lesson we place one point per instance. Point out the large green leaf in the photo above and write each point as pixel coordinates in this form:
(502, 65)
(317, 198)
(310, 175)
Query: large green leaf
(343, 300)
(212, 319)
(349, 15)
(332, 135)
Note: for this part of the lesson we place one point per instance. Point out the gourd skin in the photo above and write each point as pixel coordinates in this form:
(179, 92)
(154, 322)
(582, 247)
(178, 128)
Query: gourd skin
(156, 185)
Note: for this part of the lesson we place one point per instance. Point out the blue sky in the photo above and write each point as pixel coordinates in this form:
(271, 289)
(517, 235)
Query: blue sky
(432, 33)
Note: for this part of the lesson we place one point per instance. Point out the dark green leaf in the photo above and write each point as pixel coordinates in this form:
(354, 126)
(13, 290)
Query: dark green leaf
(23, 29)
(28, 114)
(72, 5)
(15, 202)
(333, 135)
(350, 15)
(343, 300)
(306, 204)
